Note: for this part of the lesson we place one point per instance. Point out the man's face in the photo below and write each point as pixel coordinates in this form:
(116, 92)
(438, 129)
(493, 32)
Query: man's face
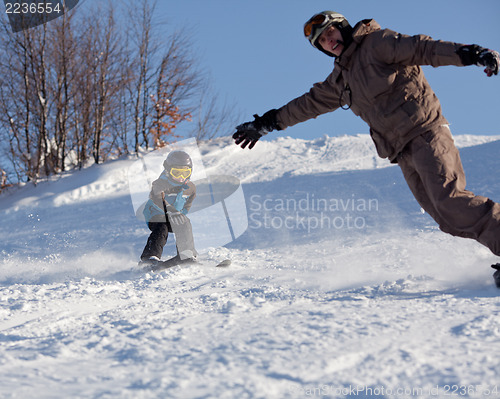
(331, 40)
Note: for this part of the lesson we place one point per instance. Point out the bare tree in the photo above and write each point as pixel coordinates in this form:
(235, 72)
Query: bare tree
(63, 54)
(211, 117)
(105, 52)
(99, 78)
(93, 84)
(164, 79)
(16, 116)
(140, 20)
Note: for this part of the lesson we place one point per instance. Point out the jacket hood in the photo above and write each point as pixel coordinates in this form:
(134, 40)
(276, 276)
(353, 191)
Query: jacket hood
(360, 30)
(363, 28)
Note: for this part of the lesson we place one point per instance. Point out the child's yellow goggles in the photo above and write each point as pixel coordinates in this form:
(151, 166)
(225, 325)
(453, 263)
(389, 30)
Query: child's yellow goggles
(181, 173)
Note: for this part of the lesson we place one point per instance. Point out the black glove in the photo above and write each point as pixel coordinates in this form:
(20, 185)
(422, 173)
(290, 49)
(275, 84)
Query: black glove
(477, 55)
(251, 132)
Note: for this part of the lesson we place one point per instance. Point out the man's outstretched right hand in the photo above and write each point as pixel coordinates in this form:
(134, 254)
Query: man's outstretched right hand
(249, 133)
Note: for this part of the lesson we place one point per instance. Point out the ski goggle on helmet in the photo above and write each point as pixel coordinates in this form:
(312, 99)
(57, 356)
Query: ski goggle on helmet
(319, 23)
(181, 173)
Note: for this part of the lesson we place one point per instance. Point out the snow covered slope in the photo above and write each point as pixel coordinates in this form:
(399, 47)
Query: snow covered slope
(340, 286)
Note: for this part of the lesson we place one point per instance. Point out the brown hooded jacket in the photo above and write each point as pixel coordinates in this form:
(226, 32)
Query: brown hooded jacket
(379, 78)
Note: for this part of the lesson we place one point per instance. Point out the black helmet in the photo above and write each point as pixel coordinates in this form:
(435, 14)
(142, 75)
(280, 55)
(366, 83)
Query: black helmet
(178, 158)
(179, 166)
(318, 23)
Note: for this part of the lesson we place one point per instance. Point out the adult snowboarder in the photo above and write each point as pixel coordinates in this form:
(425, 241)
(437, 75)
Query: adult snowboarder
(377, 75)
(169, 201)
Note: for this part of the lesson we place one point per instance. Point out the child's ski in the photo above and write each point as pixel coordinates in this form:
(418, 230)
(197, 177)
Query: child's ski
(159, 265)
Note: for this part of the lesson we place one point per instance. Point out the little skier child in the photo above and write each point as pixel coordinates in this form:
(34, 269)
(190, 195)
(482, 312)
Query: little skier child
(169, 201)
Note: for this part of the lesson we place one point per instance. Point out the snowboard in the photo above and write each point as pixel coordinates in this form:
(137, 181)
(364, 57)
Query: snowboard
(159, 265)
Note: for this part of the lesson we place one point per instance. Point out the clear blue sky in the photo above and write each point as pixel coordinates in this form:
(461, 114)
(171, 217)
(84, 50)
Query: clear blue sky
(259, 59)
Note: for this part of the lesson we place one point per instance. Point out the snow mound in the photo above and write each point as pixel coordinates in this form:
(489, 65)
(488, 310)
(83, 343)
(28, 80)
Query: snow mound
(340, 286)
(269, 160)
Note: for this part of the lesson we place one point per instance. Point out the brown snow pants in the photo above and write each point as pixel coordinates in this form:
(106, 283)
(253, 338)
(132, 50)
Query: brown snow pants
(433, 170)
